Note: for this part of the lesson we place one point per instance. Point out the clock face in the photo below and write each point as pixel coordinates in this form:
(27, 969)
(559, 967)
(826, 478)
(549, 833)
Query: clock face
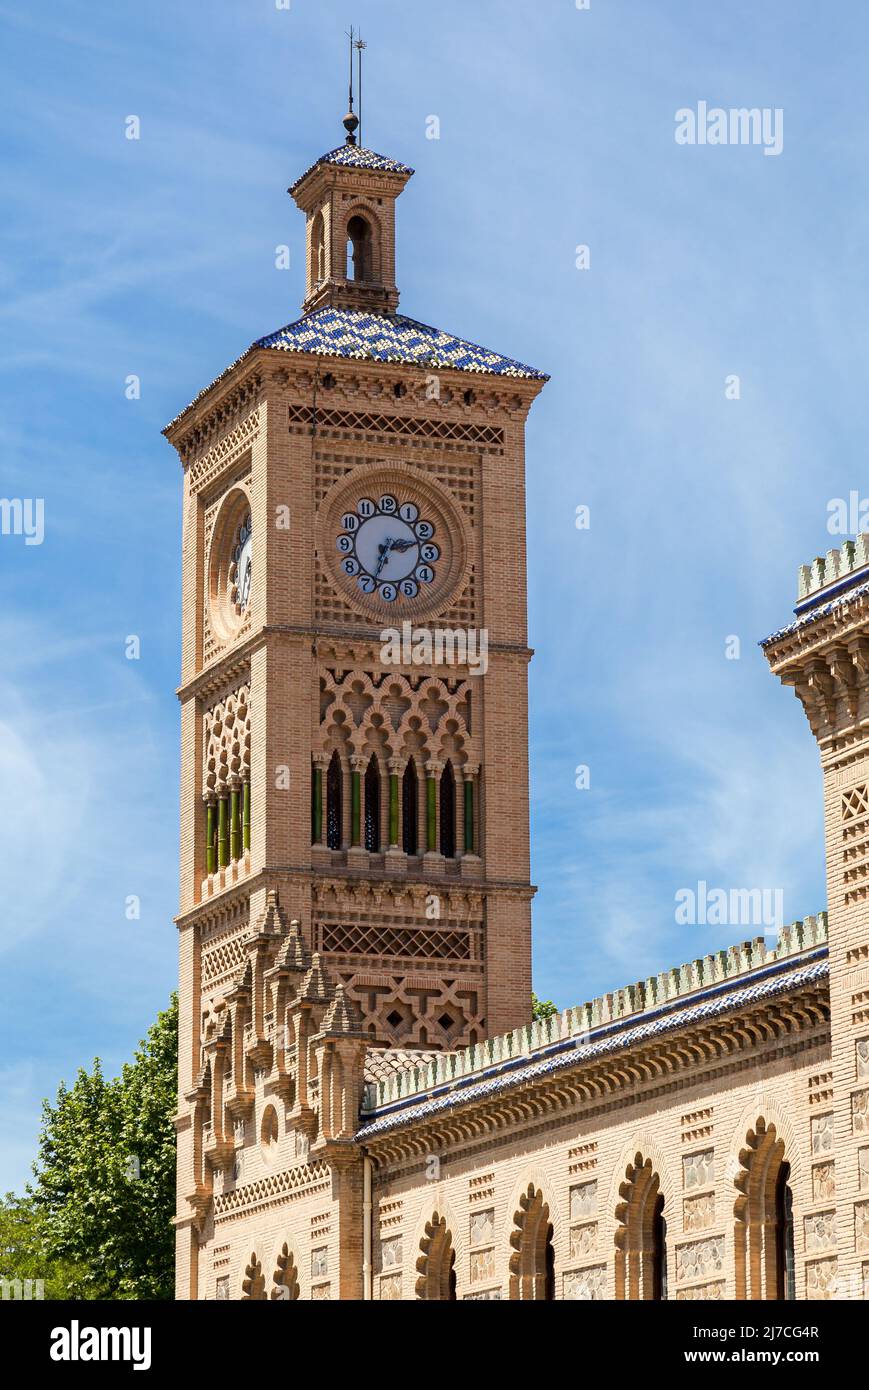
(388, 546)
(240, 570)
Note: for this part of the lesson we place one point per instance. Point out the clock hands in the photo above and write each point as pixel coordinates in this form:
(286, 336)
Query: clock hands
(388, 545)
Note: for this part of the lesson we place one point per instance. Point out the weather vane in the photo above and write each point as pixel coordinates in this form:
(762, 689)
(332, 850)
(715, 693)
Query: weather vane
(351, 120)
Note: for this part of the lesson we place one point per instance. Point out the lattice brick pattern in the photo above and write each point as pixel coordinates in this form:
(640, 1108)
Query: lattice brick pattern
(855, 842)
(488, 437)
(855, 802)
(458, 478)
(303, 1178)
(395, 942)
(222, 960)
(235, 442)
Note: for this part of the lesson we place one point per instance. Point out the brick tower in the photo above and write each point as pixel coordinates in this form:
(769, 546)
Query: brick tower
(354, 773)
(824, 656)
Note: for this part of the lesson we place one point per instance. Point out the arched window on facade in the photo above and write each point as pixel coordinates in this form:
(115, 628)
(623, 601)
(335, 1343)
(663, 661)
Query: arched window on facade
(318, 249)
(641, 1237)
(253, 1286)
(784, 1227)
(436, 1263)
(286, 1277)
(333, 803)
(410, 809)
(372, 806)
(358, 249)
(659, 1251)
(764, 1233)
(532, 1264)
(448, 811)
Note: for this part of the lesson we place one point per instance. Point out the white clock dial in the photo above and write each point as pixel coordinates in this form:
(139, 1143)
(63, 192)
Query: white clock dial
(387, 547)
(242, 572)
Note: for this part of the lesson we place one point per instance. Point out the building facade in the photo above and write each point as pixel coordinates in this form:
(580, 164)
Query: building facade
(366, 1109)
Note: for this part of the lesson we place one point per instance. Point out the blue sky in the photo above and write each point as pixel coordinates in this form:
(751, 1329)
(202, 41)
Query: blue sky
(156, 257)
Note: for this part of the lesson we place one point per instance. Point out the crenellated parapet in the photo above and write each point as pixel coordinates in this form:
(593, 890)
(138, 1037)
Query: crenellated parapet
(633, 1003)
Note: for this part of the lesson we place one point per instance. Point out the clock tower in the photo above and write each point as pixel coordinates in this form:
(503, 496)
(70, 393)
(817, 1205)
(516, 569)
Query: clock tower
(354, 762)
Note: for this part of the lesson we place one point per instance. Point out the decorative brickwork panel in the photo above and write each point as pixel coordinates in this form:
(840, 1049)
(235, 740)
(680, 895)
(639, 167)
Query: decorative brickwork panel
(586, 1285)
(482, 1266)
(484, 1296)
(319, 1263)
(862, 1049)
(823, 1182)
(860, 1112)
(702, 1293)
(322, 1291)
(391, 1253)
(583, 1241)
(482, 1228)
(698, 1169)
(822, 1134)
(855, 803)
(820, 1231)
(863, 1168)
(700, 1259)
(583, 1200)
(699, 1212)
(390, 1288)
(821, 1279)
(861, 1228)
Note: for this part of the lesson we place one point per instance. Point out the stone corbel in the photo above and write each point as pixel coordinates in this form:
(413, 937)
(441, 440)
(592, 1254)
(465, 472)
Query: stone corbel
(841, 666)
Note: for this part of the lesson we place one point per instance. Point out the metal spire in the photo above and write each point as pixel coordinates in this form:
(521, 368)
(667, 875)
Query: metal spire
(351, 120)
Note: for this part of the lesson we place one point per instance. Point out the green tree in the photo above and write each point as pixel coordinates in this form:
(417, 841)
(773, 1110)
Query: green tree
(25, 1254)
(542, 1008)
(105, 1176)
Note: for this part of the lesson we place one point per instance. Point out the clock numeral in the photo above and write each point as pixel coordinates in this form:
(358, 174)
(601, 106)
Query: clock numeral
(366, 584)
(387, 503)
(388, 592)
(350, 566)
(430, 553)
(424, 573)
(424, 530)
(409, 588)
(345, 544)
(408, 512)
(366, 507)
(350, 521)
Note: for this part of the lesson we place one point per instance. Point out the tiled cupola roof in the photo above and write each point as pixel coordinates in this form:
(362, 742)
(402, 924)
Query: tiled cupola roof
(354, 157)
(390, 338)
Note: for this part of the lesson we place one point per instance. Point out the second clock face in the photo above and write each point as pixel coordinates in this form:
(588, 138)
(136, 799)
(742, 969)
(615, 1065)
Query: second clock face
(388, 547)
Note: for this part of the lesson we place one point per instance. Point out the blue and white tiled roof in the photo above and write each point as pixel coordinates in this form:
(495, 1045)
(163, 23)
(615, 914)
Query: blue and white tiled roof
(390, 338)
(725, 999)
(355, 157)
(822, 610)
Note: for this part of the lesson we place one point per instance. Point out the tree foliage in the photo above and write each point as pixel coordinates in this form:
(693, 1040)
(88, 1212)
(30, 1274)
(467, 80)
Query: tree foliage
(25, 1254)
(542, 1008)
(105, 1176)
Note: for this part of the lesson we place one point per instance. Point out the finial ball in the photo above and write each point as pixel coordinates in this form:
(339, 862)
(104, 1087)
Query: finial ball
(350, 124)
